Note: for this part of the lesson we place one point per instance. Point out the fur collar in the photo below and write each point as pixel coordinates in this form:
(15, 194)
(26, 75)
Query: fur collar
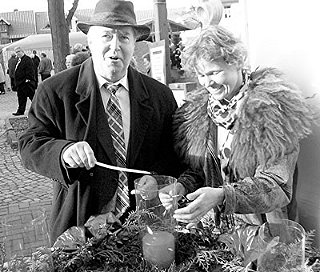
(273, 118)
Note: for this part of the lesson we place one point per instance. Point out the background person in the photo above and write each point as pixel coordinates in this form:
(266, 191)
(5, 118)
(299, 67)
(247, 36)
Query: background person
(79, 58)
(147, 63)
(70, 123)
(45, 67)
(242, 131)
(12, 63)
(2, 81)
(24, 80)
(69, 60)
(78, 47)
(36, 61)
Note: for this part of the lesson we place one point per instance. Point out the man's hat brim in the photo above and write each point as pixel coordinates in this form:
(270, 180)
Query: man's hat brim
(142, 31)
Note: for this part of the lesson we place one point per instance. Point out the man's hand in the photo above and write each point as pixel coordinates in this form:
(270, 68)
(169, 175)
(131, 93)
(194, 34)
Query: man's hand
(79, 155)
(147, 187)
(203, 200)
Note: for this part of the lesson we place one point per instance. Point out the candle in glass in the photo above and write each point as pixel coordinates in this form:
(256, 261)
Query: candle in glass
(158, 248)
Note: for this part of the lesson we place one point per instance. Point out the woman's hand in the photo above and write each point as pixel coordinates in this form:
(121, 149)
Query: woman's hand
(203, 200)
(168, 193)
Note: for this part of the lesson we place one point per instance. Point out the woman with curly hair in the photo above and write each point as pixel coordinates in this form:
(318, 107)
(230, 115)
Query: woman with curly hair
(241, 131)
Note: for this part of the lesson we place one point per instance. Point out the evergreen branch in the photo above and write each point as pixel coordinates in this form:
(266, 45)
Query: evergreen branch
(199, 250)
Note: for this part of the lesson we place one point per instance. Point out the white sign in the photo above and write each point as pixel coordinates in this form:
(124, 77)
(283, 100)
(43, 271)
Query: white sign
(157, 59)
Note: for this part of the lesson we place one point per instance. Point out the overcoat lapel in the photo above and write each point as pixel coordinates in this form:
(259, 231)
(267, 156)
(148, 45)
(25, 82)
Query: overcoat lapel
(141, 113)
(91, 110)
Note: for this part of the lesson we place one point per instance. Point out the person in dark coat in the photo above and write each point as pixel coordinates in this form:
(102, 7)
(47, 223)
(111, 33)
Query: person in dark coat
(2, 81)
(79, 58)
(36, 61)
(68, 122)
(24, 80)
(45, 66)
(12, 63)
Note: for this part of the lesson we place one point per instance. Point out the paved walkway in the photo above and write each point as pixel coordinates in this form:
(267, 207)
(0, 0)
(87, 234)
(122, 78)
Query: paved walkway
(22, 192)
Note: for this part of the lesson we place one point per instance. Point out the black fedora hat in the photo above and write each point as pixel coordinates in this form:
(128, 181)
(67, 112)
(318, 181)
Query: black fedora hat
(115, 13)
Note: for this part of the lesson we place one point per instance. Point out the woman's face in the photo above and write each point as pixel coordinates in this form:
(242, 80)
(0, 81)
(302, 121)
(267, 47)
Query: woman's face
(222, 80)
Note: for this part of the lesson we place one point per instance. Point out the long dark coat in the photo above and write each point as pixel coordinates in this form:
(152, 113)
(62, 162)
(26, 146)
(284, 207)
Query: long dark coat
(12, 62)
(68, 108)
(24, 71)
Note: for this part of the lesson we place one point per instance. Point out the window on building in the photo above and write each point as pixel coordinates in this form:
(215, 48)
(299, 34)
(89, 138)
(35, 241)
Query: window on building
(3, 27)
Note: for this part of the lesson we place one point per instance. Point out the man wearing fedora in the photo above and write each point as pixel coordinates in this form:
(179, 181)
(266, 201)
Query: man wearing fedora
(69, 130)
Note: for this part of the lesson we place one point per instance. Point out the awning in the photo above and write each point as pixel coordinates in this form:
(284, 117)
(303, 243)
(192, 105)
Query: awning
(44, 41)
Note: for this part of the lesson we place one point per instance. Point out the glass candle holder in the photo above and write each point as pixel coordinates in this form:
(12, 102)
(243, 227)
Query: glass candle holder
(157, 222)
(283, 247)
(26, 242)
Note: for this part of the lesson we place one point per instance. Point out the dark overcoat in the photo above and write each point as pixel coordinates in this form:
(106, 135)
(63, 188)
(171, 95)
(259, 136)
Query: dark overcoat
(68, 108)
(12, 62)
(24, 71)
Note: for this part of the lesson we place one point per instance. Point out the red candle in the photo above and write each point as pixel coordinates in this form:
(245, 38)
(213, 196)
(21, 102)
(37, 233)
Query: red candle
(158, 248)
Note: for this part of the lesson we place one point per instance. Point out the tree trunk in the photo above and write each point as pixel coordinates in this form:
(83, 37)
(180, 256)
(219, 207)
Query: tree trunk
(59, 33)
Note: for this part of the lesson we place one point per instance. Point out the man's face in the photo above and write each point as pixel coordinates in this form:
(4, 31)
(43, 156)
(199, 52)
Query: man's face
(19, 53)
(112, 50)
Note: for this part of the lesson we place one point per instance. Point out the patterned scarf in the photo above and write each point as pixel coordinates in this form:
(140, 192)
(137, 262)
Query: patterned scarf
(223, 112)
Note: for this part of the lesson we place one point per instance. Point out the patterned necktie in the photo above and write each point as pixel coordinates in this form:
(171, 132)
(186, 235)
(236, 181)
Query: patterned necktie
(117, 134)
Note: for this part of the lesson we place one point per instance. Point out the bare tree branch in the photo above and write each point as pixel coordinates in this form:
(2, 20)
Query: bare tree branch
(72, 11)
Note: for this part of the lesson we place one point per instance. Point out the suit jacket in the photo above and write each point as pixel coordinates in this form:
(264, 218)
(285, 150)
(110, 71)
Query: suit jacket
(24, 71)
(68, 108)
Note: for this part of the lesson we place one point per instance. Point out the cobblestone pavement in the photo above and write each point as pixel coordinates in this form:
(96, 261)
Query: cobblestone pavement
(22, 192)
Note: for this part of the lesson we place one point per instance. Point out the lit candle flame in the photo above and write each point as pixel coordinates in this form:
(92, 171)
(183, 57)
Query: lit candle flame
(149, 230)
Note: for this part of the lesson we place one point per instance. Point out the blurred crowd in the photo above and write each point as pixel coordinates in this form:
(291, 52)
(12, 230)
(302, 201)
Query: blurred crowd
(78, 54)
(42, 65)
